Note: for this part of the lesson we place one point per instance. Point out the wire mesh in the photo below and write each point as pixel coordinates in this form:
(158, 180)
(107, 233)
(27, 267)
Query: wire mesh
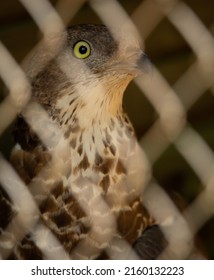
(171, 127)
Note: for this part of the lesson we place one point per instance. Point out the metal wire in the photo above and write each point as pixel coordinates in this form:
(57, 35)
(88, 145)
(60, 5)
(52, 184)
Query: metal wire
(171, 127)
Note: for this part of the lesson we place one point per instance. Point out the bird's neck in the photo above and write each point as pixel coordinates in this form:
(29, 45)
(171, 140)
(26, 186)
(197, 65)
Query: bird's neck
(92, 102)
(93, 118)
(99, 135)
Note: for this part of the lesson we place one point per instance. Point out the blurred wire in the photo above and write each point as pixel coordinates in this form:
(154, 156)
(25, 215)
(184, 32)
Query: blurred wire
(171, 127)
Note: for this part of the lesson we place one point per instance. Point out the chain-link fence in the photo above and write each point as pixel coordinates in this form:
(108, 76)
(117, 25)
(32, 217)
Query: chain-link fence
(176, 138)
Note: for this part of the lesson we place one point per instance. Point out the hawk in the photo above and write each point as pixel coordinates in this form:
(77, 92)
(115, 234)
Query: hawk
(88, 184)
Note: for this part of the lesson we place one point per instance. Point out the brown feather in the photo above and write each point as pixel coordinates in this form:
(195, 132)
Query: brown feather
(79, 190)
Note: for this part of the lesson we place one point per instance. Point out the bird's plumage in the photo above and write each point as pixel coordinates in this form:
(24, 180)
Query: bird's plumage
(93, 185)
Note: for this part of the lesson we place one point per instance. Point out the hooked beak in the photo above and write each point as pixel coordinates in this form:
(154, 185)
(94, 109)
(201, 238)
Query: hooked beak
(135, 64)
(144, 64)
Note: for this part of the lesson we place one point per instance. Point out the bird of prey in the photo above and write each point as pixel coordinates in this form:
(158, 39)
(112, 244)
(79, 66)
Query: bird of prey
(91, 187)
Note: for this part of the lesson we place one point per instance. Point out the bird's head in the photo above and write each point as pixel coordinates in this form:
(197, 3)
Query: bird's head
(103, 53)
(90, 66)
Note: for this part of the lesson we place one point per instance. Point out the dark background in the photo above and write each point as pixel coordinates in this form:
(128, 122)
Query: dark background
(170, 54)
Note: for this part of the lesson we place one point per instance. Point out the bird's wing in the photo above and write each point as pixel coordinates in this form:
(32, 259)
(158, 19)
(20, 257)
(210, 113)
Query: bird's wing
(41, 173)
(27, 158)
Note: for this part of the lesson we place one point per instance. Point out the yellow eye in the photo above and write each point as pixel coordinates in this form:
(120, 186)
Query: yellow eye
(82, 49)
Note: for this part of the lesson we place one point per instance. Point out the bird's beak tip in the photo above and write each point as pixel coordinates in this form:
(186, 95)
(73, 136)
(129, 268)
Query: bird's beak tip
(144, 64)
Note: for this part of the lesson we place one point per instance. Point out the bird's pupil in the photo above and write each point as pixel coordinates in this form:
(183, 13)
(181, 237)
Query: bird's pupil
(83, 50)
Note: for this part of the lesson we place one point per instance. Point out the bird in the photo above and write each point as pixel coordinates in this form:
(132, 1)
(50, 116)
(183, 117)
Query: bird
(94, 183)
